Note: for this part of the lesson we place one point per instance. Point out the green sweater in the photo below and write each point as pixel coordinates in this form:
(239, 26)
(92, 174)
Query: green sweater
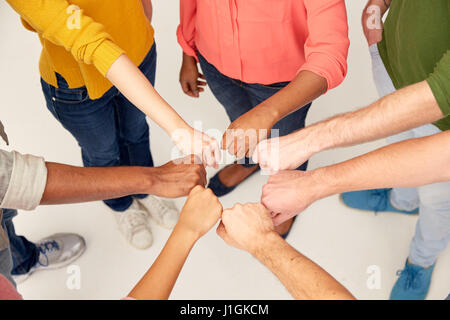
(416, 47)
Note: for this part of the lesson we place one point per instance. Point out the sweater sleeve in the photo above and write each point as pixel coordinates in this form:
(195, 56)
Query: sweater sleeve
(439, 82)
(186, 29)
(65, 25)
(326, 47)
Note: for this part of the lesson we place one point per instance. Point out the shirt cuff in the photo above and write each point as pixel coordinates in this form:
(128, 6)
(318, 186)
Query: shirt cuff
(189, 50)
(105, 55)
(326, 67)
(27, 185)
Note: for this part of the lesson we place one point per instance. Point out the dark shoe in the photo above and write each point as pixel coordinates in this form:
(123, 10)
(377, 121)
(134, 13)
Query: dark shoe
(219, 189)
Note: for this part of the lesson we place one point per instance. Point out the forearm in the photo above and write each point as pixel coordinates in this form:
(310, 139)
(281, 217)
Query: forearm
(303, 278)
(305, 87)
(158, 282)
(409, 163)
(133, 84)
(148, 9)
(68, 184)
(402, 110)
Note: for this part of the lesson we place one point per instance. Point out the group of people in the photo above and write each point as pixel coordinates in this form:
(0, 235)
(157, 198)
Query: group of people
(265, 61)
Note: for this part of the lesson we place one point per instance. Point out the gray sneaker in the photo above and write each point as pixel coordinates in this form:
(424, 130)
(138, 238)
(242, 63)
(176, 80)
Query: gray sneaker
(56, 251)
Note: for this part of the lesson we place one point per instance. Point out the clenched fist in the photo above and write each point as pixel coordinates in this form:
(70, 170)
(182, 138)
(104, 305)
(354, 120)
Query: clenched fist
(201, 211)
(288, 193)
(246, 226)
(177, 178)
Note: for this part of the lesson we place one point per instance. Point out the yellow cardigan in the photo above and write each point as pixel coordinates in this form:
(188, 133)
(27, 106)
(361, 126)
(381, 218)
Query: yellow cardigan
(81, 45)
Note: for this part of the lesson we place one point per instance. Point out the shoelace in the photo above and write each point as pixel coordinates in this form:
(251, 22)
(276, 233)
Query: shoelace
(45, 247)
(379, 199)
(412, 277)
(133, 219)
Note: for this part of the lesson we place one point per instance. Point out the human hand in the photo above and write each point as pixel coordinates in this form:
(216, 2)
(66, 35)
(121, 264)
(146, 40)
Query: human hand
(177, 178)
(284, 153)
(372, 22)
(246, 227)
(288, 193)
(191, 80)
(190, 141)
(243, 134)
(201, 211)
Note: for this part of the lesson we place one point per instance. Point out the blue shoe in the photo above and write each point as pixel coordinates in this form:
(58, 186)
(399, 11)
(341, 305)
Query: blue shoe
(377, 200)
(413, 283)
(219, 189)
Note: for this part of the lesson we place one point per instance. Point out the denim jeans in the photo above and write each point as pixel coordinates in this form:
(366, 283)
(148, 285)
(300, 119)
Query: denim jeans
(238, 97)
(110, 130)
(433, 227)
(24, 254)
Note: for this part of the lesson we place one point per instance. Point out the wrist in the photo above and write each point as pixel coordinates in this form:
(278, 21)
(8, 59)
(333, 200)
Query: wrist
(191, 236)
(264, 241)
(269, 112)
(326, 182)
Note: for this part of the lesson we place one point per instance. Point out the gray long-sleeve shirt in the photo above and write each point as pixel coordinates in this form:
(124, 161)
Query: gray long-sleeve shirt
(22, 183)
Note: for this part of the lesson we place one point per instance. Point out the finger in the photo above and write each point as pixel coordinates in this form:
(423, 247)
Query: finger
(221, 232)
(201, 83)
(201, 76)
(186, 88)
(196, 189)
(194, 88)
(216, 153)
(280, 218)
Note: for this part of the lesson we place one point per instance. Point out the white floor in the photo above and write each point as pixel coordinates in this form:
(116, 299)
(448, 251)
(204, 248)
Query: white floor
(343, 241)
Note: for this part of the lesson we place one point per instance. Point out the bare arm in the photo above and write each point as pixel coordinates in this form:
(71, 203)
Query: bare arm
(69, 184)
(303, 278)
(402, 110)
(200, 213)
(409, 163)
(249, 227)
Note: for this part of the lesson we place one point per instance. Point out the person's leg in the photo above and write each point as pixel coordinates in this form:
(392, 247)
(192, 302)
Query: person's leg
(24, 254)
(235, 100)
(93, 125)
(401, 198)
(6, 263)
(134, 145)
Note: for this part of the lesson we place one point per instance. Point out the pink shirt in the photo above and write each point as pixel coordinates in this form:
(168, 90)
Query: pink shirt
(268, 41)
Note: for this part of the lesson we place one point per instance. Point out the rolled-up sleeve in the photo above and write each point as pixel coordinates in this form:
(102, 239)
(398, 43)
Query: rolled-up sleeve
(439, 82)
(23, 179)
(186, 29)
(87, 40)
(326, 48)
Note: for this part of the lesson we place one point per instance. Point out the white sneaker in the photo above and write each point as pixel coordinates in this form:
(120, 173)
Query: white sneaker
(56, 251)
(164, 212)
(134, 226)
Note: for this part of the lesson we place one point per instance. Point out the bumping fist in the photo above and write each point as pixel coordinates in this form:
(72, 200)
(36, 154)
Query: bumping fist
(177, 178)
(201, 211)
(246, 226)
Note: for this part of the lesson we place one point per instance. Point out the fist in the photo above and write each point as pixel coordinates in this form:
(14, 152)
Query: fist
(243, 134)
(288, 193)
(246, 226)
(201, 211)
(177, 178)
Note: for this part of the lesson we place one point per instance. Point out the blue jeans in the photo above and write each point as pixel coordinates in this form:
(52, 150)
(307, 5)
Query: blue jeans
(24, 254)
(238, 97)
(110, 130)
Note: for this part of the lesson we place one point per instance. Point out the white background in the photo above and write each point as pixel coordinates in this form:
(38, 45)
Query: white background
(343, 241)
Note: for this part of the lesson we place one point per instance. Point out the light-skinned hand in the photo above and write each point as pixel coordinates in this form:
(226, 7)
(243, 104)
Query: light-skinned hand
(201, 211)
(246, 226)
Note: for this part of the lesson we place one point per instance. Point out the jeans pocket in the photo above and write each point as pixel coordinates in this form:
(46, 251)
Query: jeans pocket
(70, 96)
